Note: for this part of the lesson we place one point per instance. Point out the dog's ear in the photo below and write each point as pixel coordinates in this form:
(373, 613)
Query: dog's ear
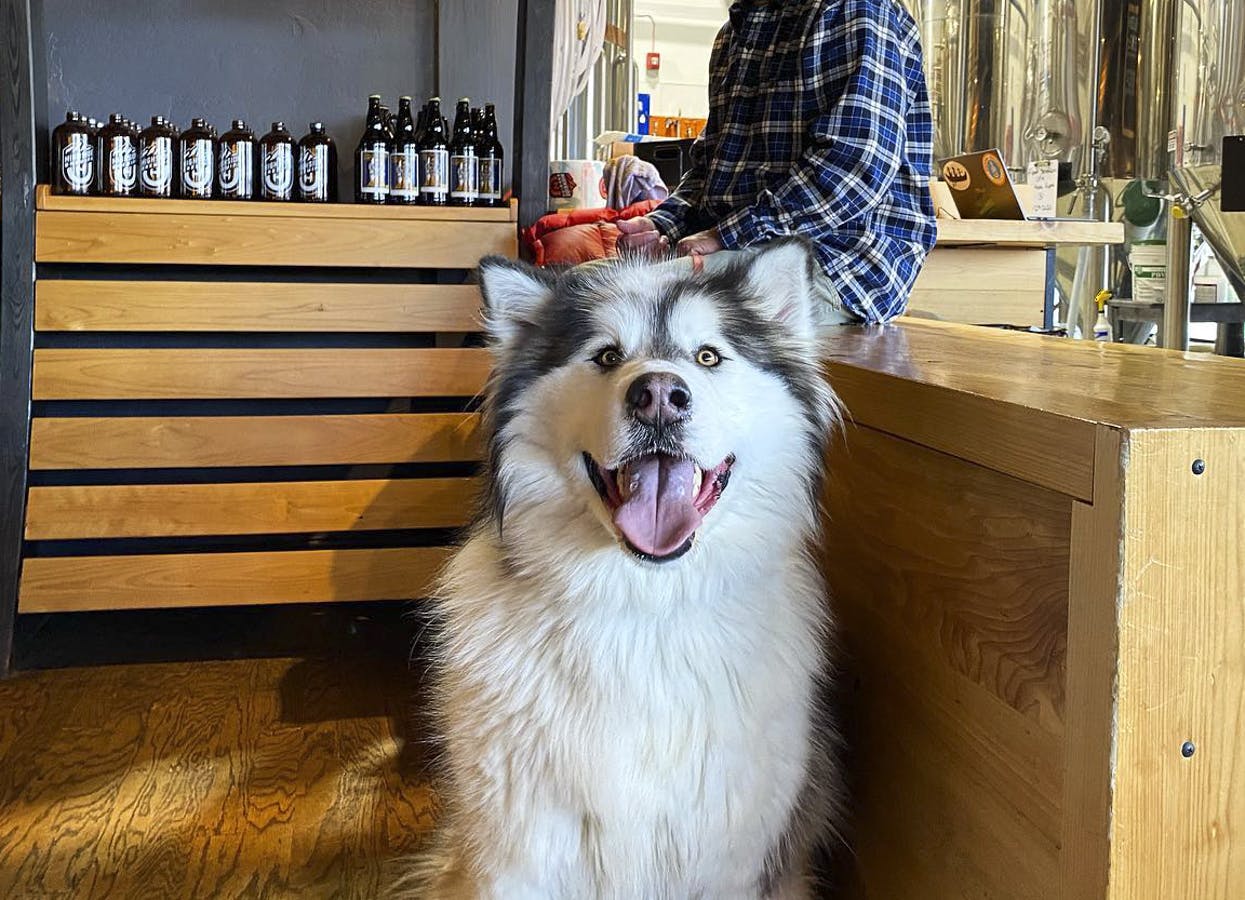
(780, 280)
(513, 292)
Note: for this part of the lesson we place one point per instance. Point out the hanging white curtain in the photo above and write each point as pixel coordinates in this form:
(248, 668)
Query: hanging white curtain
(578, 38)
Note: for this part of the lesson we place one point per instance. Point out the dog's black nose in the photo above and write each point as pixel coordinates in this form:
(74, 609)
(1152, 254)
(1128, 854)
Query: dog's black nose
(658, 398)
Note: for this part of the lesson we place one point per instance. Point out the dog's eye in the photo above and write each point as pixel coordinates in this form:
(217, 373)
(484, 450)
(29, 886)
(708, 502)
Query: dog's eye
(609, 358)
(708, 357)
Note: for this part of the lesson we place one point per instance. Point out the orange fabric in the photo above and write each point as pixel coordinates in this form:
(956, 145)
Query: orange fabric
(580, 235)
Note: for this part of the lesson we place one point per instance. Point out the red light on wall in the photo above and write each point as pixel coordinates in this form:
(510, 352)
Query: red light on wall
(652, 62)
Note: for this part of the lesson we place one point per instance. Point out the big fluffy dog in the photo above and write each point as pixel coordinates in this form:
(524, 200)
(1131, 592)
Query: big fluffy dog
(631, 645)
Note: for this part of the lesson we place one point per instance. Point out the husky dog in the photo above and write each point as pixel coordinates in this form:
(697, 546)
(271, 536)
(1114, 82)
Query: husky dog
(631, 645)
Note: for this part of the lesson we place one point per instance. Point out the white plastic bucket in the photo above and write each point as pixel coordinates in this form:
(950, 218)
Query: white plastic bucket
(1148, 262)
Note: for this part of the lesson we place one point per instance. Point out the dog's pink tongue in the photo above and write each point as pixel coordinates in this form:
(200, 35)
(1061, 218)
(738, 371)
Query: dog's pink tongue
(659, 514)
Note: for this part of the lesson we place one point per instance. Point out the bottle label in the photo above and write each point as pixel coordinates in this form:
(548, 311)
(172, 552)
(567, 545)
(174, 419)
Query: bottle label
(490, 178)
(197, 168)
(434, 172)
(122, 164)
(465, 171)
(236, 172)
(313, 172)
(278, 170)
(404, 169)
(157, 168)
(78, 162)
(374, 172)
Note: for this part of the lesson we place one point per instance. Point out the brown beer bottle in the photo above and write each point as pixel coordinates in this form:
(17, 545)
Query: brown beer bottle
(276, 160)
(464, 164)
(73, 156)
(404, 160)
(118, 158)
(235, 165)
(371, 157)
(434, 159)
(155, 159)
(492, 157)
(317, 166)
(196, 154)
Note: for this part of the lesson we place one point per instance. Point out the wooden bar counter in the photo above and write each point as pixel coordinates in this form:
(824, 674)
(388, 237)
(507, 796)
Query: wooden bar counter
(1035, 549)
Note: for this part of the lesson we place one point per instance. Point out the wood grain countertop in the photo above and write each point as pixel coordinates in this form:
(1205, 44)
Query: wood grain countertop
(1028, 403)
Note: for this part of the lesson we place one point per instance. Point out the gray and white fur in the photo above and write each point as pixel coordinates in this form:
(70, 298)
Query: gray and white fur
(632, 645)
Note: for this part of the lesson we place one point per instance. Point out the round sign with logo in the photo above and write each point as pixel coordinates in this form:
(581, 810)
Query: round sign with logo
(956, 175)
(993, 167)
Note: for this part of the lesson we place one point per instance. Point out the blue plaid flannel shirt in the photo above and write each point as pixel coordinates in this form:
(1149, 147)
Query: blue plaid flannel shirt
(819, 125)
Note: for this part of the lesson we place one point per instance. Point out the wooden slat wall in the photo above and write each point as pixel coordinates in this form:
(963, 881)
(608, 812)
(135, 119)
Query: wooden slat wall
(249, 240)
(75, 583)
(230, 462)
(207, 374)
(145, 442)
(253, 306)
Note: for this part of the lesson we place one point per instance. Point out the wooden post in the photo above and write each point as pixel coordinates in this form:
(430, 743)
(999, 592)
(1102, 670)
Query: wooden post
(533, 97)
(17, 278)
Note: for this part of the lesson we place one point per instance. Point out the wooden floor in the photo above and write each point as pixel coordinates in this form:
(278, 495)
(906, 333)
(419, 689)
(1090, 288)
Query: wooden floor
(246, 778)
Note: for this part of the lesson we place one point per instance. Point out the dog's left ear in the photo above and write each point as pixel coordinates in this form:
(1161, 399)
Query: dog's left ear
(779, 280)
(513, 292)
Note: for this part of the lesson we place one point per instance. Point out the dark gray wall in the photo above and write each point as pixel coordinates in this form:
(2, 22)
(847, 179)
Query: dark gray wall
(260, 60)
(475, 58)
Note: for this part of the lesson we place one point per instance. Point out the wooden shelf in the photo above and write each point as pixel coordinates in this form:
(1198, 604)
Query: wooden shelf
(46, 200)
(111, 230)
(1037, 233)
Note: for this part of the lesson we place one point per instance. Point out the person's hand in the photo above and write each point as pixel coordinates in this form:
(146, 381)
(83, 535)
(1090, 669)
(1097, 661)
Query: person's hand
(640, 237)
(702, 243)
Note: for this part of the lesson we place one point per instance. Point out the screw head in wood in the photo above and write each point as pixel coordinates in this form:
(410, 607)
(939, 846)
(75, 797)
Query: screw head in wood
(1199, 466)
(1187, 749)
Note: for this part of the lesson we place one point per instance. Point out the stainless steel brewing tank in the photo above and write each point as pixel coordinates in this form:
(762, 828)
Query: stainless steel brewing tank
(1208, 105)
(1011, 74)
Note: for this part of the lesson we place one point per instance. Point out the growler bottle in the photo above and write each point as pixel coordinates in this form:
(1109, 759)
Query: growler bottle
(404, 160)
(434, 159)
(73, 157)
(118, 158)
(235, 163)
(276, 155)
(371, 157)
(464, 164)
(492, 156)
(196, 165)
(317, 166)
(155, 159)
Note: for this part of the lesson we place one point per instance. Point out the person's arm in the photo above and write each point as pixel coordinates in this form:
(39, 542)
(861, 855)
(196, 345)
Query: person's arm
(680, 213)
(855, 146)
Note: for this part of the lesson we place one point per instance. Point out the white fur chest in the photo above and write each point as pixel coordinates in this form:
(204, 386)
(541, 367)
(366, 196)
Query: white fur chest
(647, 728)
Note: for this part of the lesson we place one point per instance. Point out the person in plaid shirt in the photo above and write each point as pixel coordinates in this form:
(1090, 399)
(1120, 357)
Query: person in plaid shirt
(819, 125)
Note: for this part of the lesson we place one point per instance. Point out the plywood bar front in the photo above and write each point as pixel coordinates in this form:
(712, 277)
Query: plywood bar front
(994, 272)
(1036, 557)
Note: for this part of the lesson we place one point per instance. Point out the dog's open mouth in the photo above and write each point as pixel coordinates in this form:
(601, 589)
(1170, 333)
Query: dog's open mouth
(657, 501)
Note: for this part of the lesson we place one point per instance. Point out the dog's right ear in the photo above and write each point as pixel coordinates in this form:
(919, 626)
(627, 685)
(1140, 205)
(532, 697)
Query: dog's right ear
(513, 292)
